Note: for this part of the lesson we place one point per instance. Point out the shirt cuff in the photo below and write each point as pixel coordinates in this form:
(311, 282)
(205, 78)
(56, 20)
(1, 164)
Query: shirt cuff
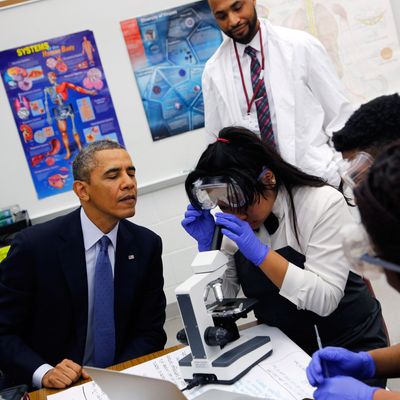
(39, 374)
(292, 285)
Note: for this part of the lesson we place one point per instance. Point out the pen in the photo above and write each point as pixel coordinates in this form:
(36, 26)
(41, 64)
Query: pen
(324, 366)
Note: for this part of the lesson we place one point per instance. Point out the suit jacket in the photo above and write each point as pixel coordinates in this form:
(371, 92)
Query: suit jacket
(44, 296)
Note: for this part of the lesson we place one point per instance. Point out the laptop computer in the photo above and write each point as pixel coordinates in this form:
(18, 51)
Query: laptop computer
(121, 386)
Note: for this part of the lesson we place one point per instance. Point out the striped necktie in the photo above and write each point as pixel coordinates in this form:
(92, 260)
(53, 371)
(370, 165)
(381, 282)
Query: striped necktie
(262, 105)
(104, 326)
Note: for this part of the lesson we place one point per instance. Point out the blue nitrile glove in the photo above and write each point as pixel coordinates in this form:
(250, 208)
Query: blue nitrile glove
(200, 225)
(344, 388)
(241, 233)
(339, 361)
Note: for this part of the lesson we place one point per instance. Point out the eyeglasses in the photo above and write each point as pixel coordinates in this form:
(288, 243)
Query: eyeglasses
(359, 252)
(354, 171)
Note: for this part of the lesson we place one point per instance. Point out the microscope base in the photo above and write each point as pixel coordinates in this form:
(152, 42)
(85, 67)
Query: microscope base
(229, 365)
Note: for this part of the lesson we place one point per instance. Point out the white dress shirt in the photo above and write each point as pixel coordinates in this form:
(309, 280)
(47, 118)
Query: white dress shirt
(91, 236)
(321, 214)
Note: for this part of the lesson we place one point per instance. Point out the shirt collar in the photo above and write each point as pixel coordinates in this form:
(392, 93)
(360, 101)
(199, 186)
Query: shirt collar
(279, 206)
(92, 234)
(255, 42)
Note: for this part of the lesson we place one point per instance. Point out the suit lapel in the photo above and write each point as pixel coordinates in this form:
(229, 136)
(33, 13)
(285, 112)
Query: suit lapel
(73, 263)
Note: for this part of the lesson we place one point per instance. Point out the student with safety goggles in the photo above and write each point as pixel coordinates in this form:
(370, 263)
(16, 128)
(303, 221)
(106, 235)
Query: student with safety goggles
(282, 233)
(378, 198)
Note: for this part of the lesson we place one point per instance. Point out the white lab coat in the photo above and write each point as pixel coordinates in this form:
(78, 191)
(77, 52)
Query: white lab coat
(308, 98)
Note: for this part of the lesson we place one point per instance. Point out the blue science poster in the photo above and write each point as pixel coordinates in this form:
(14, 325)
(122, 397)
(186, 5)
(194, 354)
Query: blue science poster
(168, 50)
(60, 101)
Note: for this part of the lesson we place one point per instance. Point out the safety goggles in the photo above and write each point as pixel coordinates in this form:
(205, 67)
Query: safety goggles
(211, 192)
(221, 191)
(359, 252)
(354, 171)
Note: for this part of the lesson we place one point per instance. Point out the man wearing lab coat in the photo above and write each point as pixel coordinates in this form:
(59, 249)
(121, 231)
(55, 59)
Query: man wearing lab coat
(305, 97)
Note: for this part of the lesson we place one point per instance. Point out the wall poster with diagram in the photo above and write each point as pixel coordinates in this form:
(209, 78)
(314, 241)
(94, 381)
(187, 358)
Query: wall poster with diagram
(60, 101)
(360, 37)
(168, 50)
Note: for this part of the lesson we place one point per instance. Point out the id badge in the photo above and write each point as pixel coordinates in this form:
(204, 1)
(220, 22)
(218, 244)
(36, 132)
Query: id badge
(251, 123)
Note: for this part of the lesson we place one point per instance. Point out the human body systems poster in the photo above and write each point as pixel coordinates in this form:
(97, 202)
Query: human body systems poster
(60, 101)
(168, 51)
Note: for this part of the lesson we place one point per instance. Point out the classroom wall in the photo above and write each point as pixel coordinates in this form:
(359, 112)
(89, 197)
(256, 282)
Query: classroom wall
(159, 164)
(156, 162)
(160, 206)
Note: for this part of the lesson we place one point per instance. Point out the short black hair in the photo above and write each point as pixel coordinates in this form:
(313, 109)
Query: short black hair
(85, 160)
(373, 126)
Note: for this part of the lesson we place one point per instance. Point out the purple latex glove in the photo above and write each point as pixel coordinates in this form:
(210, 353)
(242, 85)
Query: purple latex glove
(200, 225)
(339, 361)
(241, 233)
(344, 388)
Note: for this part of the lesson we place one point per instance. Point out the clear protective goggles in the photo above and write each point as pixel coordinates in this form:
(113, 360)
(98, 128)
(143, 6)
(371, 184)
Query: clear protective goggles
(211, 192)
(359, 252)
(354, 171)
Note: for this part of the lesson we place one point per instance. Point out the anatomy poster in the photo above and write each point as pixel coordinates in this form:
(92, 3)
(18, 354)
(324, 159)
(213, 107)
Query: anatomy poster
(168, 51)
(60, 101)
(359, 35)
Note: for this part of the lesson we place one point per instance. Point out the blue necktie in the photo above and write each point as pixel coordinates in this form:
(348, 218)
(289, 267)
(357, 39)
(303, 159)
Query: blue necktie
(262, 105)
(104, 327)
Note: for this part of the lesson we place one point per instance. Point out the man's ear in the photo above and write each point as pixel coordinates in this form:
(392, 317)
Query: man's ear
(268, 178)
(81, 190)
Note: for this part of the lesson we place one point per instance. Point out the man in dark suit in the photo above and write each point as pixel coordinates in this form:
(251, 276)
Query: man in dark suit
(85, 288)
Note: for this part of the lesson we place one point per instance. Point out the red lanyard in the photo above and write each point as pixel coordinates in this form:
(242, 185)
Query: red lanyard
(261, 77)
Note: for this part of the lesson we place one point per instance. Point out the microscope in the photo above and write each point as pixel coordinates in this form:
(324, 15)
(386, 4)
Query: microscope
(219, 353)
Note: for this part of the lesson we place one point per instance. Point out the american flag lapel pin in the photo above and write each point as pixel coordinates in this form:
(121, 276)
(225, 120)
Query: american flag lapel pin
(131, 257)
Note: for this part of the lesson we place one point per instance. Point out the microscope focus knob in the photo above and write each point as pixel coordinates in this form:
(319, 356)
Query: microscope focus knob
(217, 336)
(181, 337)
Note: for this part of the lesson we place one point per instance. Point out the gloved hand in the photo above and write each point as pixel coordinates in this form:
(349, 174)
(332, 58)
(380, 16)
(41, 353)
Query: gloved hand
(339, 361)
(199, 224)
(344, 388)
(241, 233)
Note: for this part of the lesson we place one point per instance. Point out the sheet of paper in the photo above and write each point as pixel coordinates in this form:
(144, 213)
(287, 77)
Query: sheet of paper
(291, 375)
(280, 377)
(87, 391)
(165, 367)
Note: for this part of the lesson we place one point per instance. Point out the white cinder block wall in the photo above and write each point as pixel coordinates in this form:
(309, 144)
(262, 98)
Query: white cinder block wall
(162, 212)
